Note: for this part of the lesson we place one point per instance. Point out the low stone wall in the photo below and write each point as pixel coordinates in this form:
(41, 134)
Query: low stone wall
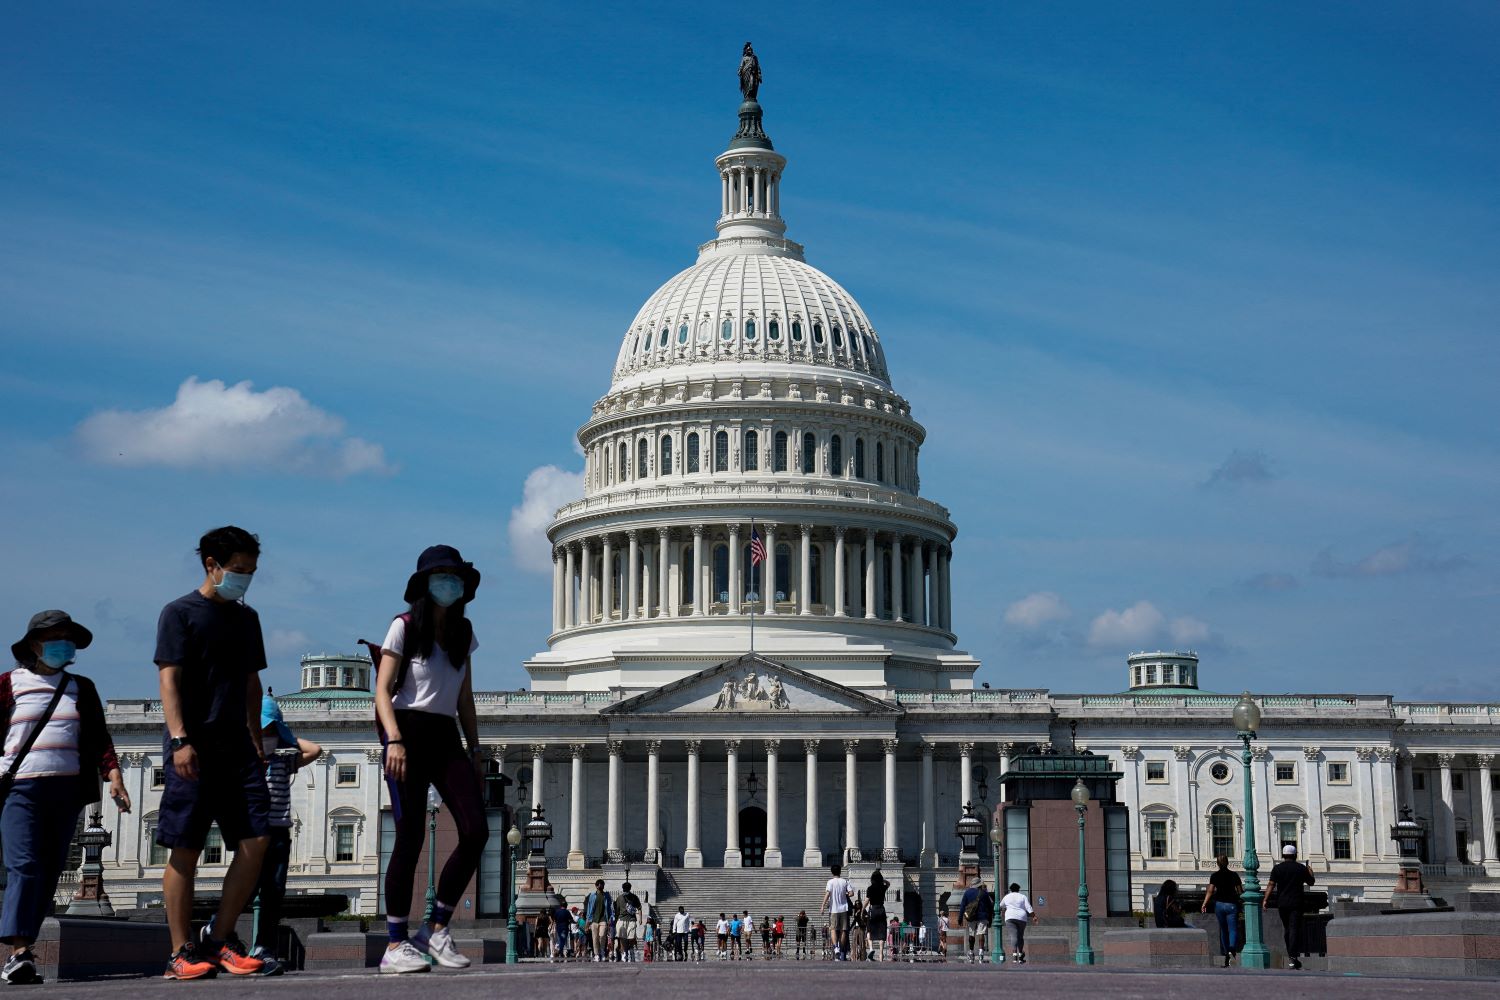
(71, 948)
(1048, 949)
(1177, 948)
(1416, 943)
(349, 950)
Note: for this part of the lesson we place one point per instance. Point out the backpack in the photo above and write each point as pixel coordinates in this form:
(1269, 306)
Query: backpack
(627, 905)
(972, 910)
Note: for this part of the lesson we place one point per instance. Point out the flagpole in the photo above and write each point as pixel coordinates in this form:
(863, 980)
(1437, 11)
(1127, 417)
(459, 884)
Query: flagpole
(752, 577)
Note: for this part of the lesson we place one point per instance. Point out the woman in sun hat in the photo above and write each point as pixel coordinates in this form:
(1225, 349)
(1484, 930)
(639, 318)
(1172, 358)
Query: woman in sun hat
(423, 694)
(56, 748)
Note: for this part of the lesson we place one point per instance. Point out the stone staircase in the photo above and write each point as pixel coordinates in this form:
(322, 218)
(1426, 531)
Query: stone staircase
(773, 892)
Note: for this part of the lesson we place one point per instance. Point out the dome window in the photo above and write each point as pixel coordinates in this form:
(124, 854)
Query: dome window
(666, 454)
(662, 342)
(796, 331)
(778, 452)
(749, 329)
(838, 338)
(773, 331)
(624, 461)
(836, 456)
(726, 331)
(721, 451)
(692, 452)
(859, 458)
(641, 458)
(752, 451)
(809, 454)
(682, 334)
(818, 334)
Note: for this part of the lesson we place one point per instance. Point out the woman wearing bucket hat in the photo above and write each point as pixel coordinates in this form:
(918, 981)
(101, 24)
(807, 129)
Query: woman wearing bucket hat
(56, 748)
(423, 692)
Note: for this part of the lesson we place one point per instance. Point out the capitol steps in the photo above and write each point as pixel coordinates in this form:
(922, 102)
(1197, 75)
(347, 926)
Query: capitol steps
(773, 892)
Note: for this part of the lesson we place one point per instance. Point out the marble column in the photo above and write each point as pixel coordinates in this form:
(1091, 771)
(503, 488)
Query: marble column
(929, 811)
(664, 604)
(804, 592)
(699, 604)
(965, 774)
(537, 750)
(633, 589)
(613, 850)
(773, 804)
(812, 851)
(575, 808)
(732, 804)
(768, 571)
(839, 555)
(890, 850)
(1447, 847)
(607, 578)
(1407, 760)
(736, 584)
(1003, 750)
(586, 582)
(648, 579)
(1385, 798)
(870, 609)
(692, 854)
(557, 590)
(851, 800)
(1368, 803)
(1487, 805)
(1312, 785)
(897, 578)
(653, 801)
(570, 590)
(945, 565)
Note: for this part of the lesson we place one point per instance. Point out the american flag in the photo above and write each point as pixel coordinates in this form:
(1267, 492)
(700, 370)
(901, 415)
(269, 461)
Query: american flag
(757, 547)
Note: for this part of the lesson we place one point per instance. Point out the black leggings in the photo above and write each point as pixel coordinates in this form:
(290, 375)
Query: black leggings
(434, 756)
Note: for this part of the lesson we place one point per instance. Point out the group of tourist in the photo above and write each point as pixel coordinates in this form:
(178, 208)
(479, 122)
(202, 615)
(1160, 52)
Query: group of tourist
(1224, 898)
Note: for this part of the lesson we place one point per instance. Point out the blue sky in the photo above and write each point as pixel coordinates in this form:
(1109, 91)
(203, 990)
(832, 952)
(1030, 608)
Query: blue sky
(1197, 302)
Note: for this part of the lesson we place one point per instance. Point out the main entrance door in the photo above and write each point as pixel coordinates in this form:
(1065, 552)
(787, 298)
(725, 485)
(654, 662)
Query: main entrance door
(753, 837)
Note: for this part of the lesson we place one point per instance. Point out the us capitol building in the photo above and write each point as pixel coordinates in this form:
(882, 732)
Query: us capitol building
(753, 386)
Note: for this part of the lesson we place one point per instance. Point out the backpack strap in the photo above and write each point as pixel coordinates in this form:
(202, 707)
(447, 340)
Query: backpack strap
(15, 765)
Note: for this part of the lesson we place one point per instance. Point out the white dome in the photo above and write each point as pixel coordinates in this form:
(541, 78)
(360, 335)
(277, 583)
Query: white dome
(752, 308)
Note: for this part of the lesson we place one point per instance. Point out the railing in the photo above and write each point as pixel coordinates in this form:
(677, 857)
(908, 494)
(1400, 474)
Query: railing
(752, 488)
(982, 696)
(1432, 712)
(1454, 870)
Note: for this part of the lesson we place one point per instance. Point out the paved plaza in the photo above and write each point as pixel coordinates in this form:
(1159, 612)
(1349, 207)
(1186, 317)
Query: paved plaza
(820, 980)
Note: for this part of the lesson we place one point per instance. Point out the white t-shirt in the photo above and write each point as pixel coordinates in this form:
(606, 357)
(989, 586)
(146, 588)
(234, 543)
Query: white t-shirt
(838, 894)
(722, 927)
(681, 922)
(1017, 906)
(55, 752)
(431, 685)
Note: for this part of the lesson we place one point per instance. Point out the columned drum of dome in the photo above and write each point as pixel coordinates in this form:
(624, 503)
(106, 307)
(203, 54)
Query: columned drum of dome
(751, 387)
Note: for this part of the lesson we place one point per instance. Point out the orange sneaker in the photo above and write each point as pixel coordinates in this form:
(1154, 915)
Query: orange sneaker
(187, 965)
(231, 956)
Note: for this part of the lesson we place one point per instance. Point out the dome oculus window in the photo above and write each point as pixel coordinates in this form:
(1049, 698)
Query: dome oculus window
(749, 329)
(818, 334)
(1219, 771)
(773, 331)
(726, 330)
(663, 341)
(682, 334)
(796, 331)
(704, 333)
(838, 338)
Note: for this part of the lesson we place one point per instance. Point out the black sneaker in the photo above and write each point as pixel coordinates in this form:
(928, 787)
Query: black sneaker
(20, 969)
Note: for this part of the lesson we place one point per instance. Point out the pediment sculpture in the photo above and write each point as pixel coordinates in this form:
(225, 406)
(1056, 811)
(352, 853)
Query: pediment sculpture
(749, 695)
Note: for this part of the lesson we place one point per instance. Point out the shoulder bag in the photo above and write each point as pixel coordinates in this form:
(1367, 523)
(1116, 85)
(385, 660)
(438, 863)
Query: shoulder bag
(9, 777)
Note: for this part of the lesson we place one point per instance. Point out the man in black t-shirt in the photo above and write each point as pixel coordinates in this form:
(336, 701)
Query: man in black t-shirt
(1224, 888)
(209, 654)
(1285, 886)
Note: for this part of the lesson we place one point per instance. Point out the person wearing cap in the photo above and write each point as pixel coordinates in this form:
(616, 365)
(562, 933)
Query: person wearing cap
(423, 694)
(209, 655)
(56, 748)
(1284, 885)
(627, 927)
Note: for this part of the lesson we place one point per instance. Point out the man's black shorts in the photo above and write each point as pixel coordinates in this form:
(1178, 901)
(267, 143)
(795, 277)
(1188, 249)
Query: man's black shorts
(230, 791)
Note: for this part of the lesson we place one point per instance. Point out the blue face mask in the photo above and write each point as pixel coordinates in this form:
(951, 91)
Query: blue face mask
(233, 586)
(57, 653)
(445, 588)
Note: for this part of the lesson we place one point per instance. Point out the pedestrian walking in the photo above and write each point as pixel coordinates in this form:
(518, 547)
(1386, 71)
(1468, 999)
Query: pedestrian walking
(56, 750)
(778, 937)
(836, 905)
(978, 909)
(682, 926)
(627, 923)
(1224, 889)
(1017, 911)
(722, 930)
(747, 935)
(875, 922)
(209, 655)
(598, 918)
(1285, 886)
(802, 933)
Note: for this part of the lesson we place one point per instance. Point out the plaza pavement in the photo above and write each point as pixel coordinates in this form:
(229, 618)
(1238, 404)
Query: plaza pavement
(790, 981)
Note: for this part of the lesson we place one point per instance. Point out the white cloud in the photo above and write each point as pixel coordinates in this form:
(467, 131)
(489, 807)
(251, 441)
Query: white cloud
(211, 424)
(1036, 610)
(1415, 555)
(547, 488)
(288, 642)
(1135, 626)
(1188, 632)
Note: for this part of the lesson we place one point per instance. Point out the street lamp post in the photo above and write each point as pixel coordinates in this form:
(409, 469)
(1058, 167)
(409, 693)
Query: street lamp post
(997, 953)
(513, 841)
(1085, 953)
(434, 802)
(1246, 718)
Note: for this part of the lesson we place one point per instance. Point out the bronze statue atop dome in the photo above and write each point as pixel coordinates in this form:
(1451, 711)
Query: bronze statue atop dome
(749, 74)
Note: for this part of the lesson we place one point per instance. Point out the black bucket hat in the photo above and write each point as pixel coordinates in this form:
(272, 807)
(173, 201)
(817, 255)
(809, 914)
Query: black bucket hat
(40, 622)
(441, 557)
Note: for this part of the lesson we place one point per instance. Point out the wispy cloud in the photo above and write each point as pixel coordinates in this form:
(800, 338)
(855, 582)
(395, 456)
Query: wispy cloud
(1036, 610)
(1267, 583)
(1414, 555)
(211, 424)
(1241, 468)
(546, 489)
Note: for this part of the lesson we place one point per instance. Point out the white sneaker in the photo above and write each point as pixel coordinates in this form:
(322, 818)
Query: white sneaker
(403, 958)
(439, 946)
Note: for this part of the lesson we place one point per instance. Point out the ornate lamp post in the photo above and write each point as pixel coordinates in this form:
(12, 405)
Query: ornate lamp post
(997, 954)
(1246, 718)
(1085, 953)
(513, 841)
(970, 830)
(91, 900)
(434, 802)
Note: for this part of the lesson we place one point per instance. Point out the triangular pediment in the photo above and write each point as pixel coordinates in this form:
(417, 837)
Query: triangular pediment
(752, 685)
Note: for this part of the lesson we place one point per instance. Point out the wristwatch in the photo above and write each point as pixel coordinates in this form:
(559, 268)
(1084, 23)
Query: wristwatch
(178, 742)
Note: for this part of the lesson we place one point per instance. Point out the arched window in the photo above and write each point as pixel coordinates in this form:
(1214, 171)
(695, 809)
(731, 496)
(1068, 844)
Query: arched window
(796, 331)
(896, 459)
(682, 334)
(726, 331)
(721, 451)
(818, 334)
(880, 461)
(1221, 830)
(624, 461)
(662, 342)
(642, 459)
(859, 458)
(838, 337)
(816, 564)
(783, 571)
(721, 573)
(836, 456)
(809, 454)
(689, 576)
(773, 331)
(778, 452)
(666, 454)
(749, 329)
(705, 333)
(692, 452)
(752, 451)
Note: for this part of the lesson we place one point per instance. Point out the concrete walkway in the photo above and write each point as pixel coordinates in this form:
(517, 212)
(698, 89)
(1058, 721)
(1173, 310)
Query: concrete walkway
(789, 981)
